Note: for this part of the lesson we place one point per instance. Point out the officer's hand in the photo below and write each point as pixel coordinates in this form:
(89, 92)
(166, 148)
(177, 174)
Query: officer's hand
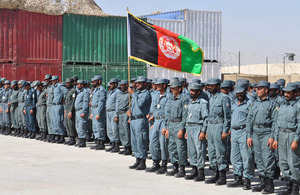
(9, 104)
(91, 117)
(82, 115)
(163, 131)
(185, 135)
(250, 142)
(229, 132)
(24, 112)
(224, 136)
(97, 117)
(1, 110)
(147, 116)
(201, 136)
(206, 136)
(116, 119)
(128, 113)
(128, 121)
(167, 134)
(6, 111)
(151, 118)
(9, 110)
(70, 115)
(294, 145)
(90, 104)
(31, 111)
(130, 90)
(151, 127)
(270, 143)
(180, 134)
(275, 144)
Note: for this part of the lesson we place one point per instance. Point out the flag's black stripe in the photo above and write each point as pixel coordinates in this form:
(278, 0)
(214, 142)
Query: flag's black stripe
(143, 40)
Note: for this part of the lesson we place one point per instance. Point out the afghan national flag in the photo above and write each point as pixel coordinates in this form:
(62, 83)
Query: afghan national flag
(160, 47)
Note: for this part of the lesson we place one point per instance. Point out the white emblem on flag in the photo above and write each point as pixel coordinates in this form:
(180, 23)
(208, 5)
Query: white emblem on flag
(169, 47)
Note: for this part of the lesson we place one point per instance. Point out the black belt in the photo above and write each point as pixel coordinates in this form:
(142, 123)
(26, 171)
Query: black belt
(122, 111)
(110, 110)
(26, 105)
(4, 102)
(137, 117)
(76, 109)
(287, 130)
(160, 117)
(194, 124)
(239, 127)
(95, 106)
(57, 104)
(215, 122)
(42, 105)
(176, 120)
(151, 114)
(262, 126)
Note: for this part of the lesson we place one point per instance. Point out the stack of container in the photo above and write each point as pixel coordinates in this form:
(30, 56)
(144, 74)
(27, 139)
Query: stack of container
(94, 45)
(203, 27)
(30, 45)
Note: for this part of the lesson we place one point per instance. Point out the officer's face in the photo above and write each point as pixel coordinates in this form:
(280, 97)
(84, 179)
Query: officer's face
(14, 86)
(20, 86)
(262, 91)
(225, 90)
(6, 86)
(141, 85)
(160, 87)
(213, 88)
(80, 86)
(289, 95)
(133, 84)
(112, 86)
(48, 81)
(54, 81)
(176, 90)
(273, 92)
(194, 93)
(124, 87)
(154, 86)
(241, 96)
(69, 85)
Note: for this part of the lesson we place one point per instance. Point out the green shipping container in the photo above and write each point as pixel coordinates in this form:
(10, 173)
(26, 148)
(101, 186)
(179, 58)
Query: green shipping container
(87, 72)
(95, 40)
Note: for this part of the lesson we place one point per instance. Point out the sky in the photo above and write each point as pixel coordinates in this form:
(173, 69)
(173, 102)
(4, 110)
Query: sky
(261, 27)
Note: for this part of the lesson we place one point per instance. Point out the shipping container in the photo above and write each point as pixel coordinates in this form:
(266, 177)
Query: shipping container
(27, 37)
(8, 36)
(29, 72)
(95, 40)
(87, 72)
(209, 70)
(203, 27)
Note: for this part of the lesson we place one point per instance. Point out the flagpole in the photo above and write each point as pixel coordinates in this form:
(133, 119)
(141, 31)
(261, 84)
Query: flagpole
(128, 45)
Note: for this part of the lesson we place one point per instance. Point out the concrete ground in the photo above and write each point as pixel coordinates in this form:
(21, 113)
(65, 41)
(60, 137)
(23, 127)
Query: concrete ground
(35, 167)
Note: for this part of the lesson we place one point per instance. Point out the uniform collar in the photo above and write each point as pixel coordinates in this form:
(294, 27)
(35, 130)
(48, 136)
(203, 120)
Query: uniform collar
(236, 101)
(266, 99)
(178, 97)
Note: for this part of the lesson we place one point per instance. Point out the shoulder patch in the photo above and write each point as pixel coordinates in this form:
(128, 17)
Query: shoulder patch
(227, 104)
(186, 106)
(277, 108)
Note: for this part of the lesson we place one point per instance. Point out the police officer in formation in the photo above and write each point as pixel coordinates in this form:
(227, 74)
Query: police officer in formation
(244, 123)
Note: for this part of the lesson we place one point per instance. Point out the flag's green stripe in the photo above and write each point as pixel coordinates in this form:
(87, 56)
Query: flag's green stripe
(190, 61)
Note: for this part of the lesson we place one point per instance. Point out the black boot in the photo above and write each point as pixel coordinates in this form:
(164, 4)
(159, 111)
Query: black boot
(142, 165)
(1, 130)
(44, 137)
(154, 168)
(8, 131)
(82, 143)
(72, 141)
(116, 148)
(222, 179)
(40, 137)
(101, 146)
(288, 188)
(269, 188)
(277, 173)
(201, 175)
(28, 135)
(128, 150)
(238, 182)
(136, 164)
(295, 189)
(50, 138)
(213, 178)
(193, 174)
(163, 168)
(261, 186)
(122, 151)
(181, 172)
(17, 131)
(21, 132)
(96, 144)
(61, 139)
(174, 170)
(33, 135)
(55, 139)
(112, 146)
(89, 137)
(247, 184)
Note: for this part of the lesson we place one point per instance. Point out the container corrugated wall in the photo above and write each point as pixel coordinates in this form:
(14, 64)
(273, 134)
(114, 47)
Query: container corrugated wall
(203, 27)
(87, 72)
(210, 70)
(95, 40)
(27, 37)
(173, 15)
(8, 36)
(27, 71)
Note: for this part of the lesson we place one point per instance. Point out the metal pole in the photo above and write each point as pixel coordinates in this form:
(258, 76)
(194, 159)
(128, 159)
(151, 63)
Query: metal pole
(239, 62)
(267, 66)
(284, 65)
